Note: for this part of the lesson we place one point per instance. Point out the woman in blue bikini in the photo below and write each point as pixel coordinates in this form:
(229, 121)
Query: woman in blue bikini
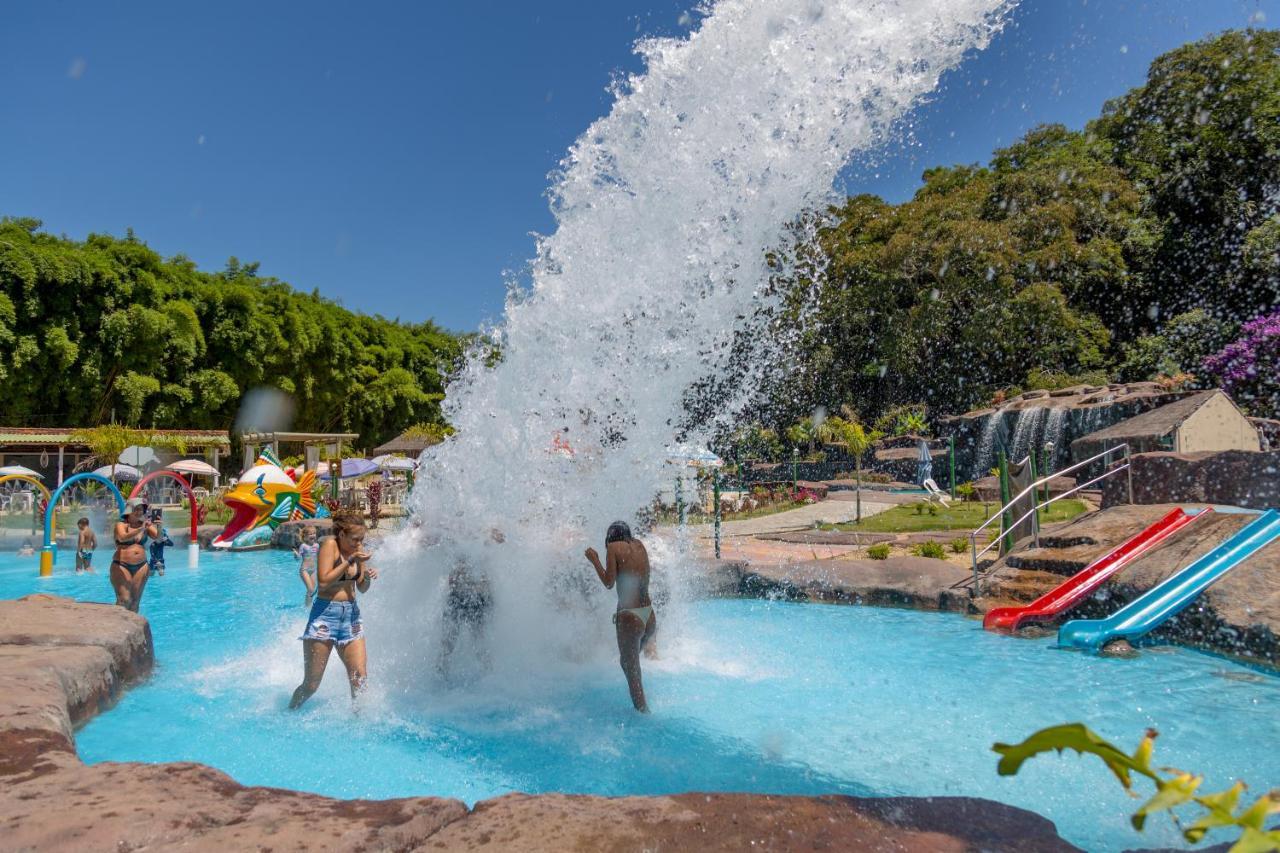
(129, 563)
(627, 566)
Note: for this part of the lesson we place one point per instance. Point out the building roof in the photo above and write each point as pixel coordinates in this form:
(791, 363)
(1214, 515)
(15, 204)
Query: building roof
(63, 435)
(1156, 423)
(402, 443)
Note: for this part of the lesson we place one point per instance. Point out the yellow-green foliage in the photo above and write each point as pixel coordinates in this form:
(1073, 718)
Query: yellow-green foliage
(879, 551)
(1174, 787)
(106, 324)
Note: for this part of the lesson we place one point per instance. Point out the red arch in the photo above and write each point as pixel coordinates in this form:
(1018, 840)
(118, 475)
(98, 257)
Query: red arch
(186, 487)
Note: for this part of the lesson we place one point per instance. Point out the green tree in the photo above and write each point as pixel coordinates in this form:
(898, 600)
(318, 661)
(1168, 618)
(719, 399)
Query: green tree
(1201, 138)
(106, 327)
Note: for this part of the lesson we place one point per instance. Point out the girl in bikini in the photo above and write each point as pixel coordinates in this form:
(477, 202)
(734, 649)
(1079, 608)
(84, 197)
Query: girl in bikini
(627, 565)
(308, 553)
(343, 568)
(129, 563)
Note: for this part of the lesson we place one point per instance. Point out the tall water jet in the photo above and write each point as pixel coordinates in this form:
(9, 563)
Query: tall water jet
(665, 211)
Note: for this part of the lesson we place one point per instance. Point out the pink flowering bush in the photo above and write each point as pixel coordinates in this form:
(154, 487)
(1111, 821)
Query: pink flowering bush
(1249, 367)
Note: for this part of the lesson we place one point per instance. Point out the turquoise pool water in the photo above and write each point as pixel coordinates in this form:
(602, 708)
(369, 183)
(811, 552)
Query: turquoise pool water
(756, 696)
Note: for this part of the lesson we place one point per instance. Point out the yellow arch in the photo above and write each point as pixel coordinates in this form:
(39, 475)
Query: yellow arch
(27, 478)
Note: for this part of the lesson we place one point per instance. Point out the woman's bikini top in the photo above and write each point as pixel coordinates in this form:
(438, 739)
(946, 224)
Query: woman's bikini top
(141, 541)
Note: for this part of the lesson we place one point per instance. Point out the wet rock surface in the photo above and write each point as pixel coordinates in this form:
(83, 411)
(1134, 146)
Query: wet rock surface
(1232, 477)
(62, 661)
(917, 582)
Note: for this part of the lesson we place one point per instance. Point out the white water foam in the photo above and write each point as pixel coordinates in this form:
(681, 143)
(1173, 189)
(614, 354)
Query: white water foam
(665, 211)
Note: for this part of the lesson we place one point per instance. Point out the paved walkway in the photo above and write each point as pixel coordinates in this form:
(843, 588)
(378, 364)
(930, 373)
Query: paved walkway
(801, 518)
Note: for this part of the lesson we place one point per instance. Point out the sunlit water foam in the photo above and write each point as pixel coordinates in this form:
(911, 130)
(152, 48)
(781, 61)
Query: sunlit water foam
(665, 210)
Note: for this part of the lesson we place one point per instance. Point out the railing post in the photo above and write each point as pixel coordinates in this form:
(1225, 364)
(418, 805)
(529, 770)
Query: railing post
(715, 496)
(1128, 471)
(1035, 513)
(973, 549)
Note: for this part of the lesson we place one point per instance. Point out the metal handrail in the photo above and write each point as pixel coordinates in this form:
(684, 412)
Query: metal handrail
(1035, 507)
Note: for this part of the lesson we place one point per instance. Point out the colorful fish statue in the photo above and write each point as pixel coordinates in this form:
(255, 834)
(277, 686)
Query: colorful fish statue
(265, 497)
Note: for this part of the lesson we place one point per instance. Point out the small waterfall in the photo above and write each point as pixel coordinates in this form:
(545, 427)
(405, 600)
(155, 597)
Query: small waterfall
(1053, 432)
(1025, 431)
(984, 459)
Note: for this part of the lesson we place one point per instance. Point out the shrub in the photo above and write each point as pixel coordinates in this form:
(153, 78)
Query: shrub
(967, 491)
(919, 507)
(879, 551)
(933, 508)
(1246, 367)
(958, 546)
(932, 550)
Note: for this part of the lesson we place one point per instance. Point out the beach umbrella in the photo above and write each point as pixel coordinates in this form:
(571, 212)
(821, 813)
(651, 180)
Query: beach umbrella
(119, 472)
(19, 471)
(924, 470)
(693, 456)
(387, 462)
(352, 468)
(193, 466)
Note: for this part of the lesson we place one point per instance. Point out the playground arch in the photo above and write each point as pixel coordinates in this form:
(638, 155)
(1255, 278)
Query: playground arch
(186, 489)
(27, 478)
(47, 552)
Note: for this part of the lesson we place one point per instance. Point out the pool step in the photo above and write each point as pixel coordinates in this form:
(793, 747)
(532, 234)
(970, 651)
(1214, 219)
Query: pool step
(1059, 560)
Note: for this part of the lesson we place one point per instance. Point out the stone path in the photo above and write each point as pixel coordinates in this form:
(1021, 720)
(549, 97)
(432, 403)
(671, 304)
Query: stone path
(829, 511)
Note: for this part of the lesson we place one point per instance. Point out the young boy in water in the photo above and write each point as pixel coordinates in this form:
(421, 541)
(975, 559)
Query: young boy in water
(85, 544)
(157, 547)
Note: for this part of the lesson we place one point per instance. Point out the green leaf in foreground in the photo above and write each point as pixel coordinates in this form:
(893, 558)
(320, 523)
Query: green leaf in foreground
(1174, 788)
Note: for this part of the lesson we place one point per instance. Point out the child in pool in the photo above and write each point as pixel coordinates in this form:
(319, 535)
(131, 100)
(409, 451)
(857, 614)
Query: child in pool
(157, 546)
(85, 544)
(307, 553)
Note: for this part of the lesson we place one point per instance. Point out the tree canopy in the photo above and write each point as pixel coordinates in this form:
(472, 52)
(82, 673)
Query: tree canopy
(107, 327)
(1134, 247)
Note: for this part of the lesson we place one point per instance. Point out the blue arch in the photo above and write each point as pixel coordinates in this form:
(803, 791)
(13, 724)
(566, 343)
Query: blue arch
(78, 478)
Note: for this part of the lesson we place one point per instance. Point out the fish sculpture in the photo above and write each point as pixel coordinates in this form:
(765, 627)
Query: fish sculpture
(265, 497)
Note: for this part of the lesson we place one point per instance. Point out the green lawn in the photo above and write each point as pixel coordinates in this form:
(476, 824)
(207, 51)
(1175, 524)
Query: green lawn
(960, 516)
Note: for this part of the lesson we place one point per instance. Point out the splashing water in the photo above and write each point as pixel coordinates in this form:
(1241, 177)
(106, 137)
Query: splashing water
(665, 210)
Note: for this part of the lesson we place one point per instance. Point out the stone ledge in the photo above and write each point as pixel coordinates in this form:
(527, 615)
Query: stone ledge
(920, 583)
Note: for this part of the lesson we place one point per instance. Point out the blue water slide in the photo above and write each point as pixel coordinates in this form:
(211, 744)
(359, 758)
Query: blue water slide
(1147, 612)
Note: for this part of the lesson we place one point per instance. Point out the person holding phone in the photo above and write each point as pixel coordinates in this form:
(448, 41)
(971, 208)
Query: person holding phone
(129, 570)
(342, 570)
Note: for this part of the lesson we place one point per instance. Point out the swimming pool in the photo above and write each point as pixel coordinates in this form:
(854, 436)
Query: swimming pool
(756, 696)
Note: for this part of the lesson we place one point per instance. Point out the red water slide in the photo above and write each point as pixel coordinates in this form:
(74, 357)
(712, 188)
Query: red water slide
(1083, 584)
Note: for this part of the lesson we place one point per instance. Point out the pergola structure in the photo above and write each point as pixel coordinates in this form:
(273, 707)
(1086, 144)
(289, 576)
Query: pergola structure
(54, 453)
(312, 442)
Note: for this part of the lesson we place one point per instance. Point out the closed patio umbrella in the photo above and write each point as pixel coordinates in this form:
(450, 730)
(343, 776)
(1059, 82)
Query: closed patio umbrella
(924, 471)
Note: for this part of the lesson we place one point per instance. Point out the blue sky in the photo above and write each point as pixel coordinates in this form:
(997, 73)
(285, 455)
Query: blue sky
(394, 155)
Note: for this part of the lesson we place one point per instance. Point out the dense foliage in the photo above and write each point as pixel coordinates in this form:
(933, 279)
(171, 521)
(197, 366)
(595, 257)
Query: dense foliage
(104, 326)
(1132, 249)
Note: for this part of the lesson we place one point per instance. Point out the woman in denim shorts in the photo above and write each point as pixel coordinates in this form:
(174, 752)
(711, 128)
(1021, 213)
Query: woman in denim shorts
(343, 567)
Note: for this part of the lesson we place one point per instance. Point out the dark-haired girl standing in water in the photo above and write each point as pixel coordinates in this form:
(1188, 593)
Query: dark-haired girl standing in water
(627, 565)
